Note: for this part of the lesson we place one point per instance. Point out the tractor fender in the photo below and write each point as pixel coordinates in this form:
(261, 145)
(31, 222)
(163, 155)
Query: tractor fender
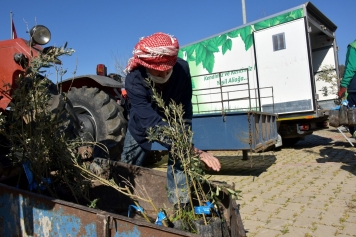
(89, 80)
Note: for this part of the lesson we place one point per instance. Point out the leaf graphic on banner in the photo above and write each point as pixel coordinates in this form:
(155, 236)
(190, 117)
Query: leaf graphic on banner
(233, 34)
(193, 84)
(200, 53)
(262, 24)
(226, 46)
(279, 19)
(221, 39)
(190, 49)
(212, 46)
(289, 18)
(271, 22)
(296, 14)
(209, 61)
(189, 52)
(191, 58)
(181, 53)
(246, 36)
(248, 41)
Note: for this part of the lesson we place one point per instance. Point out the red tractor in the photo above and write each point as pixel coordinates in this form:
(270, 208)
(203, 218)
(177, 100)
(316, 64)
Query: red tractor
(98, 100)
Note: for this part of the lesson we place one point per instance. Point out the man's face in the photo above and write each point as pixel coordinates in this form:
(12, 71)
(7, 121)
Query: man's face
(157, 73)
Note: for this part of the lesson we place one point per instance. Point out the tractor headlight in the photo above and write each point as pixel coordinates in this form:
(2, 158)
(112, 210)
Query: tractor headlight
(40, 34)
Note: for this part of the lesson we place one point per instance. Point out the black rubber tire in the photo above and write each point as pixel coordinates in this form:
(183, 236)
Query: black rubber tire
(62, 112)
(107, 118)
(289, 142)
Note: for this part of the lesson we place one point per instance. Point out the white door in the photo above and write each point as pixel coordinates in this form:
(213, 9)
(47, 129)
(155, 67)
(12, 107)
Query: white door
(283, 63)
(324, 58)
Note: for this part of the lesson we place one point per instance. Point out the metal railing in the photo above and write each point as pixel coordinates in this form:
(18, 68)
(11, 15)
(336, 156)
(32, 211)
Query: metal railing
(227, 98)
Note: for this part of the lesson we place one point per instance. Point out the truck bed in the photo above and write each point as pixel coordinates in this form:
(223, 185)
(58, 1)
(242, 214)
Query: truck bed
(249, 130)
(24, 213)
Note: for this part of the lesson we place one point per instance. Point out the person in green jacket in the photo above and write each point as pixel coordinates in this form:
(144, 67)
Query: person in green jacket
(348, 82)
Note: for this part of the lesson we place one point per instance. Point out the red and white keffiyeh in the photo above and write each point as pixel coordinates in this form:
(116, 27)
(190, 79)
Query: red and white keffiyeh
(158, 51)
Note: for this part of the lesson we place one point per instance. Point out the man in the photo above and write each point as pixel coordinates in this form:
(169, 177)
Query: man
(155, 57)
(348, 81)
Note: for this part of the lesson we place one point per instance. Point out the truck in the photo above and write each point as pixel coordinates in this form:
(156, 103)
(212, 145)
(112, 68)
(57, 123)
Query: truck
(270, 65)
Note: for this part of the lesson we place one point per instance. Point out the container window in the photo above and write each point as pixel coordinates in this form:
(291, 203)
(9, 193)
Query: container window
(279, 42)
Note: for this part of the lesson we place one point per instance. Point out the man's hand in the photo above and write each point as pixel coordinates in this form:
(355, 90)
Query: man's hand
(209, 160)
(341, 92)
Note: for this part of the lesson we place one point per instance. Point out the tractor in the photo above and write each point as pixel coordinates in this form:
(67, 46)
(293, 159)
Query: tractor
(98, 102)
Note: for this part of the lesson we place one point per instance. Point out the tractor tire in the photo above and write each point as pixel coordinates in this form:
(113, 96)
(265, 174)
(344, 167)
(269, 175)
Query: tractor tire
(102, 117)
(62, 112)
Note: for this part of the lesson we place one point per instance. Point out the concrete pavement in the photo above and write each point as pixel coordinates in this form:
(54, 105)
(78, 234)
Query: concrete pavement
(307, 190)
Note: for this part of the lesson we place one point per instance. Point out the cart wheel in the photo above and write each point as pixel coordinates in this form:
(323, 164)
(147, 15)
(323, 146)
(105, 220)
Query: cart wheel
(288, 142)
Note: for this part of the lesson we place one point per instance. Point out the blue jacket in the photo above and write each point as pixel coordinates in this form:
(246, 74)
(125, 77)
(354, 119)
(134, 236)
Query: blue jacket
(144, 112)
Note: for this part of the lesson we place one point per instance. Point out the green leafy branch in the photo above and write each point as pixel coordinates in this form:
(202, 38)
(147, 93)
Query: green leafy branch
(180, 137)
(40, 131)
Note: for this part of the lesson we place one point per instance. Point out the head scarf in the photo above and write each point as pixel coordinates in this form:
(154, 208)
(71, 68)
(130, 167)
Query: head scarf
(158, 51)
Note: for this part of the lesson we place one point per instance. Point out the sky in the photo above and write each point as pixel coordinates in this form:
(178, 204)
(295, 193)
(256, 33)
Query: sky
(106, 31)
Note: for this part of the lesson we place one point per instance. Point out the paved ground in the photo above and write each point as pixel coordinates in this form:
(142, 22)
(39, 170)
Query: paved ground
(307, 190)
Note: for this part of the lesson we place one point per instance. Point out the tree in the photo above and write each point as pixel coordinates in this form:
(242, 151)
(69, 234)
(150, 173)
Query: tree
(120, 65)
